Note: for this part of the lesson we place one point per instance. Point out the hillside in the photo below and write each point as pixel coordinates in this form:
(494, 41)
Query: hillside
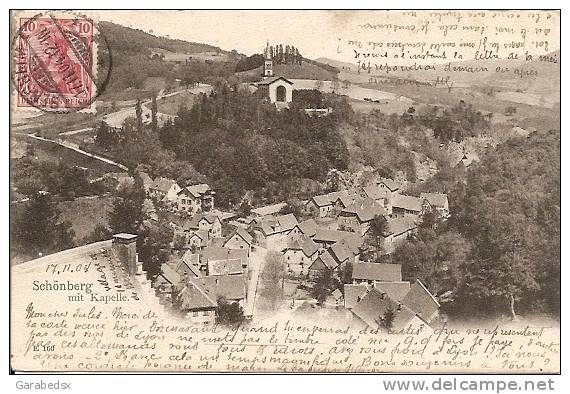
(125, 39)
(343, 66)
(304, 71)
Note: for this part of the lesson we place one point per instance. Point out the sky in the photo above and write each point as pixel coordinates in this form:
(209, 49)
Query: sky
(327, 33)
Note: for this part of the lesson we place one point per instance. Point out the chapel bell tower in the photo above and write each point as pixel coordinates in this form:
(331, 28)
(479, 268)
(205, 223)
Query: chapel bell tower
(268, 64)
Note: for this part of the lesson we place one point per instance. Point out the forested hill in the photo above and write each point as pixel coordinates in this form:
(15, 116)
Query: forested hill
(123, 39)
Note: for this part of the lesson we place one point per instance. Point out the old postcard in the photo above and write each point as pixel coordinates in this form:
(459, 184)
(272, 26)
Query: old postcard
(285, 191)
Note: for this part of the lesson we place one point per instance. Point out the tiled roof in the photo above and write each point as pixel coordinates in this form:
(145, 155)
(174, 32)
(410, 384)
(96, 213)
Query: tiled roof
(365, 210)
(341, 252)
(225, 267)
(304, 244)
(168, 273)
(198, 190)
(409, 203)
(279, 224)
(269, 209)
(243, 234)
(163, 185)
(395, 290)
(377, 271)
(352, 240)
(191, 258)
(435, 199)
(270, 80)
(204, 292)
(390, 184)
(421, 301)
(328, 260)
(397, 226)
(212, 253)
(309, 227)
(322, 200)
(193, 223)
(352, 294)
(374, 192)
(202, 234)
(373, 306)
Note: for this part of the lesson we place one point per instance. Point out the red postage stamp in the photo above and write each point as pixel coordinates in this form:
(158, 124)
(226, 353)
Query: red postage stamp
(54, 63)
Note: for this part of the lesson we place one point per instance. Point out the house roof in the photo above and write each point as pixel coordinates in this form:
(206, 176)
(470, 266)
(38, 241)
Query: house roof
(269, 209)
(194, 222)
(212, 253)
(184, 268)
(377, 272)
(322, 200)
(202, 234)
(352, 294)
(309, 227)
(421, 301)
(304, 244)
(374, 192)
(270, 80)
(163, 185)
(352, 240)
(199, 189)
(326, 259)
(365, 210)
(373, 306)
(435, 199)
(243, 234)
(391, 184)
(204, 292)
(409, 203)
(395, 290)
(190, 258)
(397, 226)
(341, 252)
(168, 273)
(225, 267)
(279, 224)
(217, 241)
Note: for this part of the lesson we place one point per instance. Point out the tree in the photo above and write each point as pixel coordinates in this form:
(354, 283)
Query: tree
(324, 285)
(273, 276)
(153, 245)
(127, 215)
(37, 229)
(229, 314)
(376, 232)
(387, 319)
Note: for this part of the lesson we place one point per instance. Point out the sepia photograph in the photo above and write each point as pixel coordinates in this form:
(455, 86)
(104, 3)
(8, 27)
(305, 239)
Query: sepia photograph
(285, 191)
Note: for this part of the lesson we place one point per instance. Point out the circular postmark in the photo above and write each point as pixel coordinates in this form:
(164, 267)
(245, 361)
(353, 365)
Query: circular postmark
(61, 62)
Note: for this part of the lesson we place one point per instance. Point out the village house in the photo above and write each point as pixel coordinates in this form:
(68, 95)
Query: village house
(205, 222)
(273, 232)
(370, 273)
(395, 290)
(164, 189)
(196, 198)
(439, 202)
(334, 258)
(399, 229)
(320, 205)
(197, 239)
(185, 268)
(373, 307)
(408, 206)
(326, 238)
(299, 254)
(212, 254)
(240, 239)
(358, 216)
(199, 298)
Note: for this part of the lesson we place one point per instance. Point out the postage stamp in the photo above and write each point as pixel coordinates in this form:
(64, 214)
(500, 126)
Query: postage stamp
(54, 63)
